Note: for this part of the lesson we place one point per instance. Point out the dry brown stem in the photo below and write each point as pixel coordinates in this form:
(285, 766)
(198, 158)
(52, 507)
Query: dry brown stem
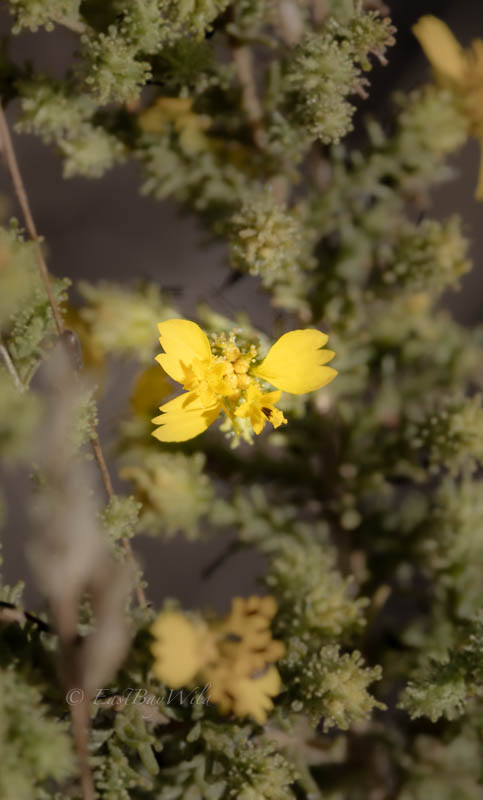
(11, 367)
(243, 61)
(22, 197)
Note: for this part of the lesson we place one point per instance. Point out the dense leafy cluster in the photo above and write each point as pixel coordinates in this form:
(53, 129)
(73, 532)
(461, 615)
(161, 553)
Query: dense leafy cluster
(36, 747)
(365, 510)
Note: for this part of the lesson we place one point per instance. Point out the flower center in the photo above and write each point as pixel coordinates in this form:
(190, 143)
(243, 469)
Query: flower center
(225, 375)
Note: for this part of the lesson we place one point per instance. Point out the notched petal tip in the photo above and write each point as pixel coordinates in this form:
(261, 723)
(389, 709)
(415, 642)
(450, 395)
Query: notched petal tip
(183, 342)
(296, 362)
(184, 418)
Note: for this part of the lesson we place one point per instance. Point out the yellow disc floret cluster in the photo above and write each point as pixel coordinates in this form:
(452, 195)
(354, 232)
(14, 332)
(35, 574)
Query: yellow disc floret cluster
(234, 658)
(228, 376)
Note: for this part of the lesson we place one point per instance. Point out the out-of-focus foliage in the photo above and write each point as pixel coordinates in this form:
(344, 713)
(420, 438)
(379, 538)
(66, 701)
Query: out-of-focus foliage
(36, 747)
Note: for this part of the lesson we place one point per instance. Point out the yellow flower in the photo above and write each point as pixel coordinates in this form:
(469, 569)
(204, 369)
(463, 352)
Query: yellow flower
(226, 378)
(260, 408)
(181, 648)
(245, 695)
(459, 70)
(149, 387)
(245, 637)
(177, 111)
(234, 657)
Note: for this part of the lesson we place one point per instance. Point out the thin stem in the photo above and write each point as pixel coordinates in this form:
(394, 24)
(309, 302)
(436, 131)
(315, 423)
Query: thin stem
(10, 613)
(244, 67)
(320, 11)
(101, 461)
(79, 714)
(71, 25)
(13, 168)
(106, 479)
(228, 551)
(290, 22)
(243, 61)
(7, 360)
(19, 187)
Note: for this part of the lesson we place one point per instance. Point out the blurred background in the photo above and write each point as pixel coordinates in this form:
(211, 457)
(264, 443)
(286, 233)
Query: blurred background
(104, 229)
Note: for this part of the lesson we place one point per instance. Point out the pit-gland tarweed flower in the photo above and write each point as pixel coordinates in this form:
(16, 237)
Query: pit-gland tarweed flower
(227, 376)
(458, 70)
(177, 111)
(235, 656)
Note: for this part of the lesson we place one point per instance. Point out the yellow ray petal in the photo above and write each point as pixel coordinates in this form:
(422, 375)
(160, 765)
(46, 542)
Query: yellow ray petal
(176, 649)
(270, 398)
(149, 389)
(442, 49)
(183, 341)
(187, 401)
(183, 418)
(252, 696)
(295, 363)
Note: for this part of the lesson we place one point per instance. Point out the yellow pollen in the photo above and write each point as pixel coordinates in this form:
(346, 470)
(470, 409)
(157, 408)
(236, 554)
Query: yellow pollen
(244, 381)
(231, 352)
(241, 365)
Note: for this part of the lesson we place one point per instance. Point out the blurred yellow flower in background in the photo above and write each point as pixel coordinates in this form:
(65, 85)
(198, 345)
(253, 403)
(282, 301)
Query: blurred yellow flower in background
(245, 695)
(181, 648)
(260, 408)
(149, 387)
(177, 111)
(456, 69)
(234, 657)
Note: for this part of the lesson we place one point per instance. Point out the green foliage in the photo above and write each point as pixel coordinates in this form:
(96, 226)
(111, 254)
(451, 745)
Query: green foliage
(321, 76)
(428, 257)
(329, 686)
(28, 322)
(175, 493)
(441, 694)
(326, 70)
(20, 416)
(114, 74)
(453, 435)
(34, 14)
(16, 275)
(443, 687)
(269, 241)
(202, 177)
(124, 749)
(120, 517)
(197, 16)
(86, 419)
(121, 321)
(31, 331)
(36, 747)
(248, 19)
(141, 24)
(253, 767)
(444, 769)
(315, 600)
(451, 544)
(230, 764)
(59, 113)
